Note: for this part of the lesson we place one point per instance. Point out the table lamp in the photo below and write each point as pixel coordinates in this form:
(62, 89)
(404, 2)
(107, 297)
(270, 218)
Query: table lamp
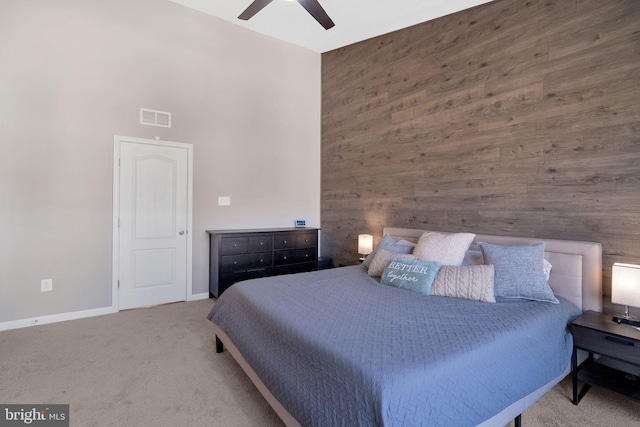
(365, 245)
(625, 290)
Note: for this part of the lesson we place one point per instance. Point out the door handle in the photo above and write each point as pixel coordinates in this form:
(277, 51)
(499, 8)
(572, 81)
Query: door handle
(181, 233)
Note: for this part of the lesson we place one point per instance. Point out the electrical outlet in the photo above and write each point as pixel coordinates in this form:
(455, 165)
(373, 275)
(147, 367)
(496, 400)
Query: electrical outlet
(46, 285)
(224, 201)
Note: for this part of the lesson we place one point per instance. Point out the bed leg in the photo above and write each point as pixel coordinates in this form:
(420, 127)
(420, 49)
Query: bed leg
(219, 345)
(518, 421)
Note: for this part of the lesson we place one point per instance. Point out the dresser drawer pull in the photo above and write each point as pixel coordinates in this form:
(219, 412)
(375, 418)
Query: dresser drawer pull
(284, 241)
(619, 341)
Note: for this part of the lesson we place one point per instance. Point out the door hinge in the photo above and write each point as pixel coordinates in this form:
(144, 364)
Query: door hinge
(118, 284)
(118, 222)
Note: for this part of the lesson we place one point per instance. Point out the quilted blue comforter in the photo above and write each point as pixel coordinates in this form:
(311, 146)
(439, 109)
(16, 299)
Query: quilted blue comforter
(337, 348)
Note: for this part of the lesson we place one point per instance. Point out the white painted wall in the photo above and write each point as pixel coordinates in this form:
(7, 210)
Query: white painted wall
(74, 73)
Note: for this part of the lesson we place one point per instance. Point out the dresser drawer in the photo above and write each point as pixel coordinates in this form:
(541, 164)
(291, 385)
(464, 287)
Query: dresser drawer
(284, 241)
(284, 257)
(295, 268)
(306, 255)
(307, 240)
(234, 245)
(294, 256)
(606, 344)
(261, 243)
(231, 263)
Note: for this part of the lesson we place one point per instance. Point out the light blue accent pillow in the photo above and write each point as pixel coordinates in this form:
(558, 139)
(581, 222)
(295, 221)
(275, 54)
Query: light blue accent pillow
(519, 271)
(411, 274)
(387, 243)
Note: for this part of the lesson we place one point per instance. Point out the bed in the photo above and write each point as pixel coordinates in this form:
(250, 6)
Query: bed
(337, 347)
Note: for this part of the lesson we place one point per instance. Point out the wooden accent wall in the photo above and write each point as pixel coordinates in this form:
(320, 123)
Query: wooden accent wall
(512, 118)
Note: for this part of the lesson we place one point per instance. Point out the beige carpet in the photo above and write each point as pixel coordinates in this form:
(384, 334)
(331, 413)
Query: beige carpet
(158, 367)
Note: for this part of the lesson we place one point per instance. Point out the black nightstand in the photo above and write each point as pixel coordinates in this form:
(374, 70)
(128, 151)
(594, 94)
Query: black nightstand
(598, 333)
(324, 263)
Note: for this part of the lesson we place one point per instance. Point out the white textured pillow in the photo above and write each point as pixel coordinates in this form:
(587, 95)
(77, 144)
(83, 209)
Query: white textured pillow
(546, 269)
(474, 282)
(447, 249)
(382, 259)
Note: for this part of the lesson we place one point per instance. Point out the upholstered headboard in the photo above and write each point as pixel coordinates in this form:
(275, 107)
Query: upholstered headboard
(577, 266)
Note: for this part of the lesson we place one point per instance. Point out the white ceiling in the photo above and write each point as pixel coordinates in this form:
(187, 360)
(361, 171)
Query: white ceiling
(355, 20)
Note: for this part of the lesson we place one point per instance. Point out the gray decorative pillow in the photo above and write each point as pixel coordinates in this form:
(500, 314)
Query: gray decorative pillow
(447, 249)
(410, 274)
(519, 271)
(382, 259)
(473, 257)
(389, 244)
(474, 282)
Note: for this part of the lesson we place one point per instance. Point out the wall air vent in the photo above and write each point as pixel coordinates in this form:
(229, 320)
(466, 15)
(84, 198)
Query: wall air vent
(155, 118)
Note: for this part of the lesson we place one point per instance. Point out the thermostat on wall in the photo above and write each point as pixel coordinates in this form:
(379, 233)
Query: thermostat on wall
(301, 223)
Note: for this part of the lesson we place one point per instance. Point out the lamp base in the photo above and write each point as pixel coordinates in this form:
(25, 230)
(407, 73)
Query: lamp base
(633, 321)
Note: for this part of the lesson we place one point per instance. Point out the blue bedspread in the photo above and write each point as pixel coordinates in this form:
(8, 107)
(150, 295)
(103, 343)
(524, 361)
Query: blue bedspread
(337, 348)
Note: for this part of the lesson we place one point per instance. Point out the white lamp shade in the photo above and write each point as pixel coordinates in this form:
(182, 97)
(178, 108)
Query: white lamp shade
(625, 284)
(365, 244)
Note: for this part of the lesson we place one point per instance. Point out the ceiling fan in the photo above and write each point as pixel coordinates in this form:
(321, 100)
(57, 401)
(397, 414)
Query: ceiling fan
(312, 6)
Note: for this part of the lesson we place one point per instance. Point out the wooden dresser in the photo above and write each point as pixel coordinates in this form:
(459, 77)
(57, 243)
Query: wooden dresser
(236, 255)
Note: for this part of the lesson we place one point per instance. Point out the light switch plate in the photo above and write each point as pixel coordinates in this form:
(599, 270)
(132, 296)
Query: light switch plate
(224, 201)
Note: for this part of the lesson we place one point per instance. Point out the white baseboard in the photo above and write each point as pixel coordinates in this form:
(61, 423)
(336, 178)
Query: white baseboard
(61, 317)
(199, 296)
(43, 320)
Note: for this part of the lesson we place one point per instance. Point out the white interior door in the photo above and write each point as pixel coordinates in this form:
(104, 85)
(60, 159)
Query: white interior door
(153, 222)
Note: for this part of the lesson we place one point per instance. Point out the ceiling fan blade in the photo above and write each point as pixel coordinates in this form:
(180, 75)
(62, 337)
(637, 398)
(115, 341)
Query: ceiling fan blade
(314, 8)
(254, 8)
